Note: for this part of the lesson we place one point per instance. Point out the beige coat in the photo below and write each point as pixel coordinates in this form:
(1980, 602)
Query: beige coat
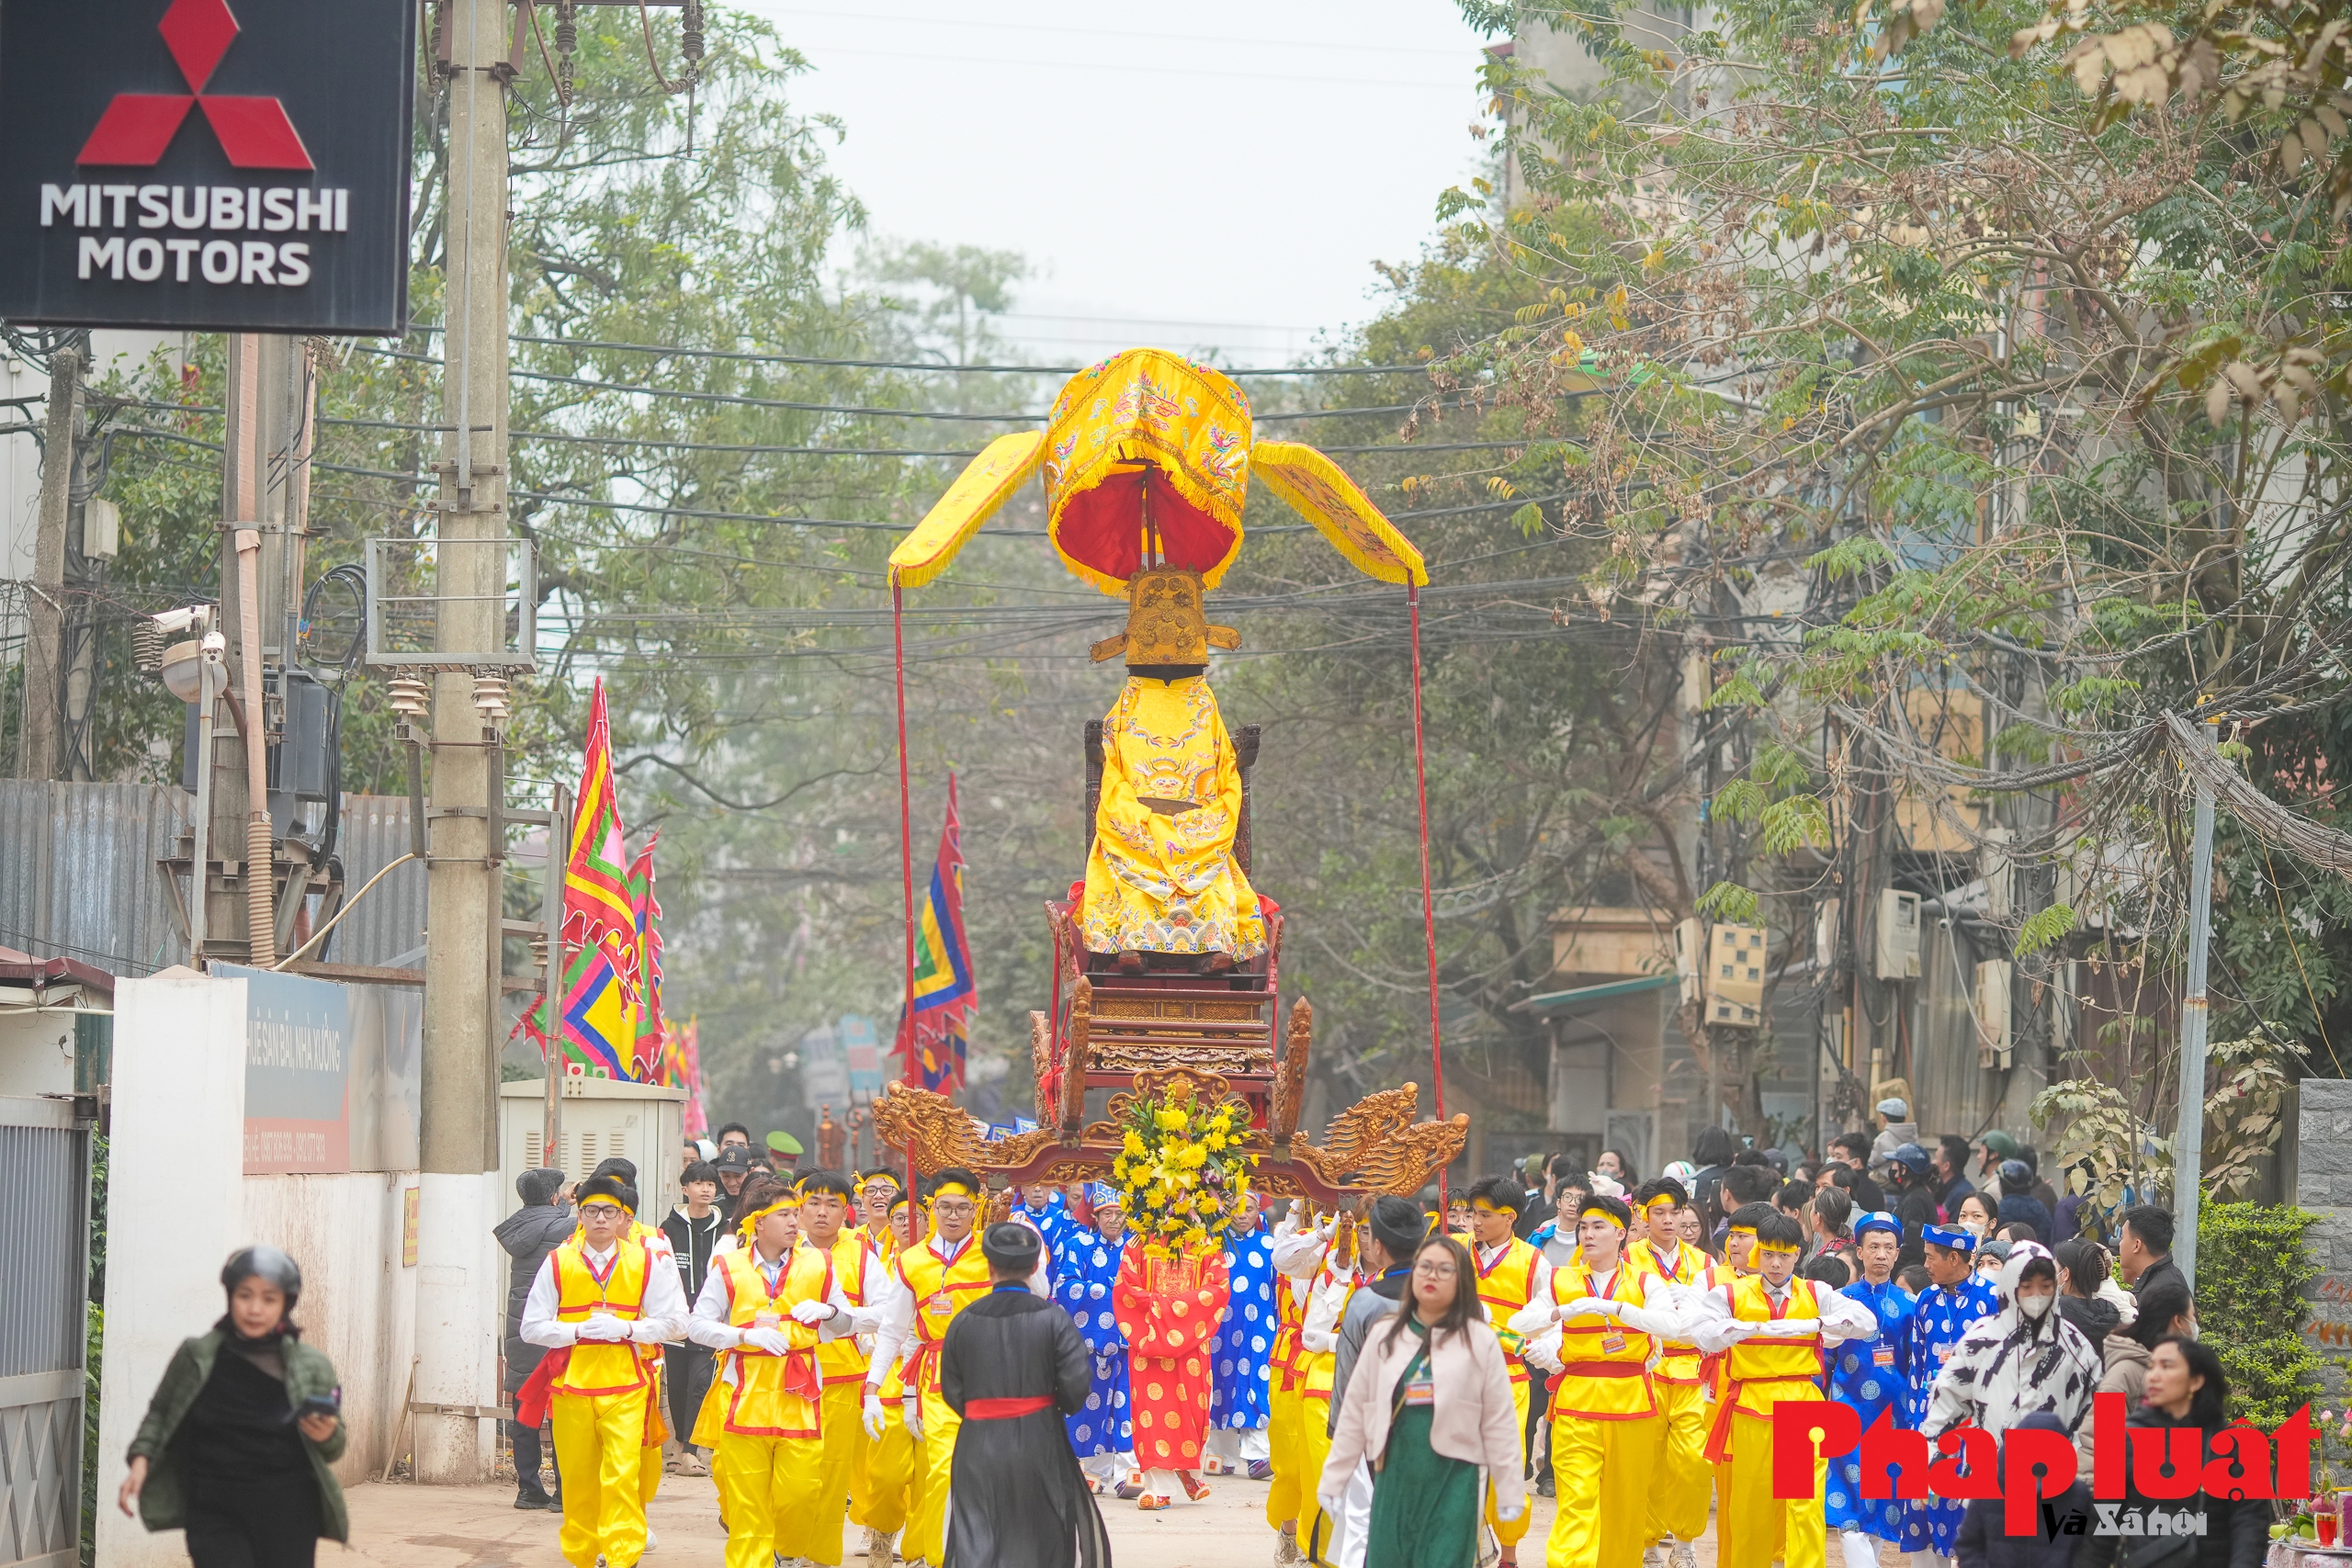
(1473, 1419)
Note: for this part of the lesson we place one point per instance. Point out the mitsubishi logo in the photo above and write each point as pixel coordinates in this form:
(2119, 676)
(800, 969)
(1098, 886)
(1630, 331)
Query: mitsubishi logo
(137, 127)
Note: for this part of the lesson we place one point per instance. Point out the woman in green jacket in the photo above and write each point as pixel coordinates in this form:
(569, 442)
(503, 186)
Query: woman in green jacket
(238, 1438)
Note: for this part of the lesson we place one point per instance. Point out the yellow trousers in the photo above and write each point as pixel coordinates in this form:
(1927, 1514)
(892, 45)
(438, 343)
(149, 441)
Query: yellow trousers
(1752, 1526)
(1678, 1504)
(1282, 1452)
(1316, 1527)
(890, 1472)
(599, 1448)
(1511, 1532)
(815, 1532)
(1601, 1473)
(926, 1534)
(765, 1484)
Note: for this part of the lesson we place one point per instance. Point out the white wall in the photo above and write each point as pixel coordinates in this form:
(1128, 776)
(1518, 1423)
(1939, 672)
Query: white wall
(37, 1051)
(358, 1302)
(173, 1215)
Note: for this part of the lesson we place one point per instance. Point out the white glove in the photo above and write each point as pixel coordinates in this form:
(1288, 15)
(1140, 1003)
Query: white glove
(772, 1340)
(1334, 1509)
(602, 1327)
(1544, 1350)
(1579, 1307)
(812, 1312)
(910, 1413)
(1505, 1515)
(874, 1419)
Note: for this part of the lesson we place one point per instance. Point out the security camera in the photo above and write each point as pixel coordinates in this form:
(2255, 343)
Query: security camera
(195, 616)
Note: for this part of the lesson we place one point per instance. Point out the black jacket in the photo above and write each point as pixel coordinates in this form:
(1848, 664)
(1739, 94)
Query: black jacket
(1015, 1497)
(693, 1241)
(2094, 1319)
(2162, 1269)
(2238, 1534)
(1984, 1544)
(528, 1235)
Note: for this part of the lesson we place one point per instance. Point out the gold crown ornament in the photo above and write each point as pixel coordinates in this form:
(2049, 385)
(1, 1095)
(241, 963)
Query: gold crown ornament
(1166, 623)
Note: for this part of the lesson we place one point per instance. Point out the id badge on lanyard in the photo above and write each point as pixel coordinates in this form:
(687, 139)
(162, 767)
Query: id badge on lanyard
(1612, 1344)
(1882, 1355)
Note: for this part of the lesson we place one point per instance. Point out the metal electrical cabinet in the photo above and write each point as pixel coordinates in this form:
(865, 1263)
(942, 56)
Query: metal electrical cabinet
(603, 1118)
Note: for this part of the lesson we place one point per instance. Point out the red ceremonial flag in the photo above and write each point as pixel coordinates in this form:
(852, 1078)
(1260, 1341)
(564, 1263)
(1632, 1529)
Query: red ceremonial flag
(598, 908)
(946, 991)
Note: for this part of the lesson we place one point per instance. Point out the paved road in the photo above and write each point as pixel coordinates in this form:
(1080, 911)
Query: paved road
(401, 1525)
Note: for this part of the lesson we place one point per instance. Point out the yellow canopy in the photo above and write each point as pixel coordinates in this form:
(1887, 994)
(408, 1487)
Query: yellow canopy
(1320, 491)
(978, 495)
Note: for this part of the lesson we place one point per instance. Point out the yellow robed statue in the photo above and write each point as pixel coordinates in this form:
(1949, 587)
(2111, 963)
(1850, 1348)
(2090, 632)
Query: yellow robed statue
(1147, 460)
(1162, 876)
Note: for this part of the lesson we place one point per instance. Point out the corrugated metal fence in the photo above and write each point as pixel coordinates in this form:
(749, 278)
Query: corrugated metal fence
(79, 876)
(45, 1166)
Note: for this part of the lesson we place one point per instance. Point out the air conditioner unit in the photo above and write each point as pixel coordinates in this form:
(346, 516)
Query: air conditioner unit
(1736, 957)
(1898, 936)
(1992, 1038)
(1732, 1014)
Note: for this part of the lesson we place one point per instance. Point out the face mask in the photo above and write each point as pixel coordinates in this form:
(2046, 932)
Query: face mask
(2033, 1307)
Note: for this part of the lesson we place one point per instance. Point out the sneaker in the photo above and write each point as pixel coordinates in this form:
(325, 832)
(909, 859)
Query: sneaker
(1127, 1491)
(651, 1541)
(1286, 1545)
(1682, 1556)
(1652, 1557)
(1194, 1487)
(532, 1497)
(1262, 1470)
(1152, 1502)
(1543, 1488)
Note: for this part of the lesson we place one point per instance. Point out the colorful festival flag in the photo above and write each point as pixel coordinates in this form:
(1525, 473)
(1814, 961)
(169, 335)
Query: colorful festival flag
(599, 908)
(645, 923)
(944, 995)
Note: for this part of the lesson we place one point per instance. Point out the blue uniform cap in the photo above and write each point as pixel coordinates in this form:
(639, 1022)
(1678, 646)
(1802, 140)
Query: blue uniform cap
(1952, 1236)
(1878, 1220)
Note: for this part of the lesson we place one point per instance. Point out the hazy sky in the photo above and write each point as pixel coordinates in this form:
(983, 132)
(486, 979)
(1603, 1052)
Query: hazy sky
(1215, 174)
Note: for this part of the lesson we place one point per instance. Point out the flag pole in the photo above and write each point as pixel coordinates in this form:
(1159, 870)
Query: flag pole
(1428, 902)
(906, 886)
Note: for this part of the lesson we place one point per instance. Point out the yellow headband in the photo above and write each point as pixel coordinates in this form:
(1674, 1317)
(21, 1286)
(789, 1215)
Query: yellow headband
(1663, 1201)
(952, 1190)
(1777, 1248)
(1740, 1230)
(751, 1221)
(1486, 1207)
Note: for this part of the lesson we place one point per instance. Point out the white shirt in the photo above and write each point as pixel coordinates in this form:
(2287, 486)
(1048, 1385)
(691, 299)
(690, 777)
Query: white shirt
(1842, 1317)
(1540, 1289)
(708, 1325)
(1651, 1309)
(892, 1317)
(662, 1321)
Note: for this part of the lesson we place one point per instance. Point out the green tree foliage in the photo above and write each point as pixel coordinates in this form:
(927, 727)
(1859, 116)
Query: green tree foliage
(2252, 1266)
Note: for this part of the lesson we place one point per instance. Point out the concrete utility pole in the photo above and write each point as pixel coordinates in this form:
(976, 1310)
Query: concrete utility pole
(39, 741)
(2188, 1142)
(457, 1306)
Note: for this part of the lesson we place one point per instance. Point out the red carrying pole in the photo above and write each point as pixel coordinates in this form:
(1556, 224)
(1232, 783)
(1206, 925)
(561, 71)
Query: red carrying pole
(907, 883)
(1428, 901)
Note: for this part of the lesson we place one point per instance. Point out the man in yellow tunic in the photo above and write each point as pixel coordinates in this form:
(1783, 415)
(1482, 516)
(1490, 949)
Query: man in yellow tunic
(881, 1489)
(937, 1278)
(815, 1533)
(1510, 1274)
(1611, 1315)
(1160, 876)
(766, 1307)
(1678, 1504)
(1772, 1328)
(599, 1299)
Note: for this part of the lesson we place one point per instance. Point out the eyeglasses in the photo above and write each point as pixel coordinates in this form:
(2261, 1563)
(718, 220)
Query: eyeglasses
(601, 1211)
(1436, 1269)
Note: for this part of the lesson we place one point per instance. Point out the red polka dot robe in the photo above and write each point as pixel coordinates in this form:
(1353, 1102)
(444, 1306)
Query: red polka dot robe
(1169, 1374)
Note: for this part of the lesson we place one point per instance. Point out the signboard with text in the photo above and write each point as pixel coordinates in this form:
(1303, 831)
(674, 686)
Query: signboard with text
(332, 1073)
(204, 165)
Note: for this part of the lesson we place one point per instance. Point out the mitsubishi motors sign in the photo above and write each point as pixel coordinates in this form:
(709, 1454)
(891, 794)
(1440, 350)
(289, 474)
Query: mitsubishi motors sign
(210, 165)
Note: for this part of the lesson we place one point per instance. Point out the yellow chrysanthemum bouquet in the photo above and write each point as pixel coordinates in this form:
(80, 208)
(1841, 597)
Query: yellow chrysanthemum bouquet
(1183, 1170)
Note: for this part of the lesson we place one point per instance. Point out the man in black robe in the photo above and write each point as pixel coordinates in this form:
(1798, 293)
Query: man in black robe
(1013, 1367)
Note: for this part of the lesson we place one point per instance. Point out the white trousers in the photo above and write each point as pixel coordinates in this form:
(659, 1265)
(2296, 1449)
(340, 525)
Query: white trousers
(1239, 1444)
(1355, 1519)
(1112, 1468)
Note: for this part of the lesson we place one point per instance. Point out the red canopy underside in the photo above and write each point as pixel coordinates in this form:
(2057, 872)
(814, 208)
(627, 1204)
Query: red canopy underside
(1102, 528)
